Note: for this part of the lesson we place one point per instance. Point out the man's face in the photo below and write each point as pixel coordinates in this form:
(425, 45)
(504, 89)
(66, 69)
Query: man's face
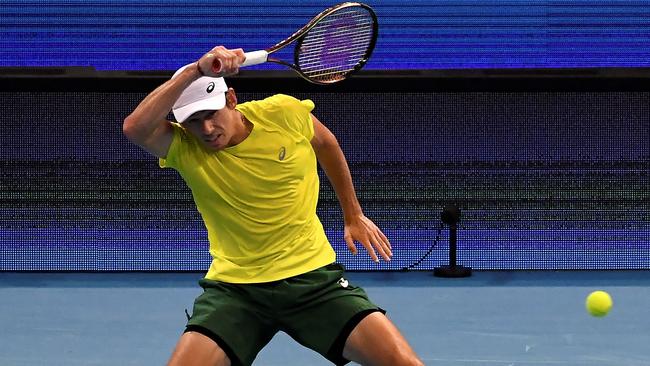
(212, 128)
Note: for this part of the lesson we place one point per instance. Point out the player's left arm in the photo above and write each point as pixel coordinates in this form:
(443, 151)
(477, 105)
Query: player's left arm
(357, 226)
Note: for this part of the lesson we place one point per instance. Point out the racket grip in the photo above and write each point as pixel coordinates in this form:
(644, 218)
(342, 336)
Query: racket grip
(255, 57)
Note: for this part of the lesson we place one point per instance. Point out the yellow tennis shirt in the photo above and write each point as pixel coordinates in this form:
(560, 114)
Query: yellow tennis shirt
(258, 198)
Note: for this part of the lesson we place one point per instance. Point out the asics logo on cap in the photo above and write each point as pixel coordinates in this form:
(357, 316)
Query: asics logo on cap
(210, 87)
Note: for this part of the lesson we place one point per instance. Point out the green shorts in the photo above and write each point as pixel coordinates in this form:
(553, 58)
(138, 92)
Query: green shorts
(319, 309)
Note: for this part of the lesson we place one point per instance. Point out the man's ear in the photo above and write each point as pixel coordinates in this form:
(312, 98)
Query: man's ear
(231, 98)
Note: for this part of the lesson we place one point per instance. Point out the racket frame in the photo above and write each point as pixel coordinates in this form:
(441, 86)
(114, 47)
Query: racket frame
(257, 57)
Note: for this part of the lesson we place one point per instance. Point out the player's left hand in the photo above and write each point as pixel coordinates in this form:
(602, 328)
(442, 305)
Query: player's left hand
(364, 231)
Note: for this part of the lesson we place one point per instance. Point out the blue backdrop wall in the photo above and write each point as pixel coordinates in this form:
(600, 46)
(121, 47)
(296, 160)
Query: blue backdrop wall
(545, 180)
(414, 34)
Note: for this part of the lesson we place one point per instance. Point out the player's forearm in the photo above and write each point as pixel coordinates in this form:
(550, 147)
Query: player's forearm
(333, 162)
(155, 107)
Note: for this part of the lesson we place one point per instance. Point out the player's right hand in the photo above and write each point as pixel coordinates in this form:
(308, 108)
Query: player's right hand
(221, 61)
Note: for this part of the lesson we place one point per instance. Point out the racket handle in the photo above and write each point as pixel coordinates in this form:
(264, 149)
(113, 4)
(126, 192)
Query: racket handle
(255, 57)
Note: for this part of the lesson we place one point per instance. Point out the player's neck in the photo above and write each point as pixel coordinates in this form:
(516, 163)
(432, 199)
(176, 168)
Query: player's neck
(243, 130)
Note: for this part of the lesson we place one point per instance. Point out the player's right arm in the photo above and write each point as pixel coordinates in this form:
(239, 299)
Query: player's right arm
(147, 126)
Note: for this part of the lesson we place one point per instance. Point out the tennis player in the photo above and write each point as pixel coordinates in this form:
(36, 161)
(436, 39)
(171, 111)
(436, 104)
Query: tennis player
(252, 170)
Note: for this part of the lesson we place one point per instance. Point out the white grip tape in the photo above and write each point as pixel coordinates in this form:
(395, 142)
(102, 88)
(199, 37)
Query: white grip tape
(255, 57)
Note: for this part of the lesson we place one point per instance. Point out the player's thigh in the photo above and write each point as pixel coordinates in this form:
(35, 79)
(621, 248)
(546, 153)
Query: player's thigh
(377, 341)
(234, 317)
(324, 307)
(197, 349)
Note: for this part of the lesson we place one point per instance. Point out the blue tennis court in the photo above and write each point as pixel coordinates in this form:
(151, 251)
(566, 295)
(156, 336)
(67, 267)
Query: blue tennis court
(492, 318)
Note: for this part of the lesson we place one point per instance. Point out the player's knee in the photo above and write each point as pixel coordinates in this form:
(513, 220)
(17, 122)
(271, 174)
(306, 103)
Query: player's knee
(416, 361)
(405, 358)
(412, 361)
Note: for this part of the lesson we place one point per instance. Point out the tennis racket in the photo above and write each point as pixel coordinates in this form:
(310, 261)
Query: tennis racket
(333, 45)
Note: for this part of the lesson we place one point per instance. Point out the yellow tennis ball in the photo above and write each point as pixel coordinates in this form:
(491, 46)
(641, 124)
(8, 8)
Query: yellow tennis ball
(599, 303)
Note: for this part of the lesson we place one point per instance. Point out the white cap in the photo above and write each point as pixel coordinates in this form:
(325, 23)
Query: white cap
(205, 93)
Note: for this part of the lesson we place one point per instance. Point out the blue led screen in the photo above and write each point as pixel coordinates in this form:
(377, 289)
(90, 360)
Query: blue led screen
(545, 180)
(414, 34)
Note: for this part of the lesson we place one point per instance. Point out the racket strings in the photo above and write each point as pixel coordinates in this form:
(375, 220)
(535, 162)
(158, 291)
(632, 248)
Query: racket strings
(336, 45)
(360, 43)
(342, 24)
(312, 62)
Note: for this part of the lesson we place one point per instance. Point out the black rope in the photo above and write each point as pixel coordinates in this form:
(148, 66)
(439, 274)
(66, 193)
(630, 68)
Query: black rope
(435, 242)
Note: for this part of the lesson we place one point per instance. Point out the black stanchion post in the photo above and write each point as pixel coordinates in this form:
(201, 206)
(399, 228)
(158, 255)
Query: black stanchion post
(450, 216)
